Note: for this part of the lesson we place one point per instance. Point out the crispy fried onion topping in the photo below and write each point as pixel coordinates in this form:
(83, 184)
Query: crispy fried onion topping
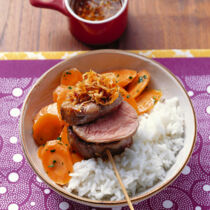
(99, 88)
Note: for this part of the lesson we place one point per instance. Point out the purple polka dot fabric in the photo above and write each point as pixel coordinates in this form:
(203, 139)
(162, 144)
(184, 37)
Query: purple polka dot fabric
(20, 188)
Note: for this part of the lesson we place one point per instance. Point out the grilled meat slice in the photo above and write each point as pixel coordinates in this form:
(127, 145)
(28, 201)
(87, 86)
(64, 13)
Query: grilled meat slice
(88, 112)
(90, 150)
(117, 125)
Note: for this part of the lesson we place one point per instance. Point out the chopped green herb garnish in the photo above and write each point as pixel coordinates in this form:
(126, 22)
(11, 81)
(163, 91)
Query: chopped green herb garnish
(118, 75)
(53, 164)
(70, 87)
(130, 77)
(155, 99)
(145, 76)
(59, 138)
(140, 79)
(68, 72)
(66, 144)
(60, 143)
(128, 96)
(52, 150)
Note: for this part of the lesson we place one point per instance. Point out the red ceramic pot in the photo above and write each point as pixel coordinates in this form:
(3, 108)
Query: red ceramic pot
(90, 32)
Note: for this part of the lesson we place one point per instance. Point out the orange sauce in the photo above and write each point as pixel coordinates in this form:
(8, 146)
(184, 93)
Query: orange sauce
(96, 9)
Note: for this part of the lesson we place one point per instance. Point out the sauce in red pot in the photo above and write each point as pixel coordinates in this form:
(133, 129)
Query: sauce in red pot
(96, 10)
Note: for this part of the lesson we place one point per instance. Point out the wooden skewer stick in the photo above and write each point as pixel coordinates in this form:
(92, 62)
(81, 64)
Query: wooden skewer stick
(119, 179)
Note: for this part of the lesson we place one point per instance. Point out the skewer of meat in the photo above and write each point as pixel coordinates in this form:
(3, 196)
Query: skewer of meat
(105, 136)
(99, 129)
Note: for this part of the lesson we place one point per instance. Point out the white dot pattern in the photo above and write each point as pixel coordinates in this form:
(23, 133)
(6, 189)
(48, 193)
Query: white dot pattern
(208, 109)
(186, 170)
(17, 92)
(17, 158)
(208, 89)
(190, 93)
(15, 112)
(64, 205)
(13, 206)
(46, 191)
(13, 177)
(38, 179)
(206, 187)
(32, 203)
(167, 204)
(13, 140)
(3, 190)
(197, 208)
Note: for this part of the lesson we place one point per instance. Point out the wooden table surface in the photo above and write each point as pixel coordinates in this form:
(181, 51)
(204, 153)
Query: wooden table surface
(152, 24)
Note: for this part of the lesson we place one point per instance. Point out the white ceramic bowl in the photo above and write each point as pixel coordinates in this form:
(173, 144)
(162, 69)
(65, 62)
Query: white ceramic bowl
(102, 60)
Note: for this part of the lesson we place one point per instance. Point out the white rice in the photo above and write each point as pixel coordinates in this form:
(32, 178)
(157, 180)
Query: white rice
(156, 143)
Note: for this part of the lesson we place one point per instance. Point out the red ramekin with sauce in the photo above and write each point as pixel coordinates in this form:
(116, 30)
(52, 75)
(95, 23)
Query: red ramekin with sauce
(94, 22)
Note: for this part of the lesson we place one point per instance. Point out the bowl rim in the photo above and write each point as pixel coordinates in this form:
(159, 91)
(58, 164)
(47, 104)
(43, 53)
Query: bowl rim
(101, 203)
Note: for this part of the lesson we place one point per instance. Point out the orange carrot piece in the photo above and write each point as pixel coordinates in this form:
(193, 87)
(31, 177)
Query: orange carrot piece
(40, 150)
(60, 90)
(76, 157)
(71, 77)
(57, 161)
(59, 96)
(147, 100)
(124, 76)
(64, 136)
(128, 98)
(139, 83)
(47, 124)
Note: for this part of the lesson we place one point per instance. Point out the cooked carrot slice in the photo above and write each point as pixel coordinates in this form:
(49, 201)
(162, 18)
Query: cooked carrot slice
(60, 90)
(76, 157)
(57, 161)
(139, 83)
(124, 76)
(40, 150)
(47, 124)
(127, 97)
(147, 100)
(59, 95)
(71, 77)
(64, 136)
